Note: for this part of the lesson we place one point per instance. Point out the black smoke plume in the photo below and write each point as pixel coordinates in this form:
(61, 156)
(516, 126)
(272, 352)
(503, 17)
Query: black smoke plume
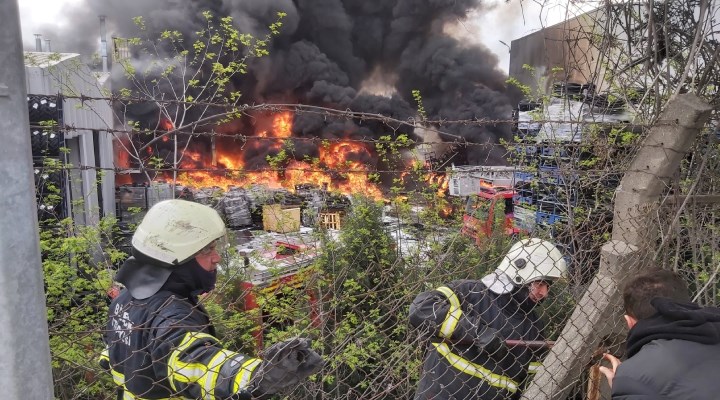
(329, 51)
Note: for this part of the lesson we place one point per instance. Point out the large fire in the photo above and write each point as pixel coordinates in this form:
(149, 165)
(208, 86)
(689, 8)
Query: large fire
(337, 165)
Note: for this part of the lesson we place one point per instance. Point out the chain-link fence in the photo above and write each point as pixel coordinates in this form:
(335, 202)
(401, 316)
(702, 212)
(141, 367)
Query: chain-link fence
(390, 294)
(348, 235)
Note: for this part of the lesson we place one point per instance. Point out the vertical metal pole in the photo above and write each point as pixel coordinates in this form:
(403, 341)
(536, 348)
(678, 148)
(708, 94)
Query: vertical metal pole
(103, 43)
(25, 371)
(175, 163)
(214, 152)
(38, 42)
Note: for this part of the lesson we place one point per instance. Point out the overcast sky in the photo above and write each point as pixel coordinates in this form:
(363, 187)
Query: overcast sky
(498, 21)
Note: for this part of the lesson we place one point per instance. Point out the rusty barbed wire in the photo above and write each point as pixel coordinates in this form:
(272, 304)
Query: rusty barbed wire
(423, 123)
(575, 172)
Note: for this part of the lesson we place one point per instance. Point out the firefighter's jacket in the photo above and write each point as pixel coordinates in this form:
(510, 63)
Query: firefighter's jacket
(164, 347)
(467, 325)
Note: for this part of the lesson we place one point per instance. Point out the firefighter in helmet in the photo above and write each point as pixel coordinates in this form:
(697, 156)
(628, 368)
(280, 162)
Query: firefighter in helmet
(469, 321)
(159, 340)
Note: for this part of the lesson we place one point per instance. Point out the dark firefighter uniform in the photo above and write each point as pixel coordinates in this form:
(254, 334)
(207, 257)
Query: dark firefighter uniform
(467, 325)
(160, 344)
(164, 347)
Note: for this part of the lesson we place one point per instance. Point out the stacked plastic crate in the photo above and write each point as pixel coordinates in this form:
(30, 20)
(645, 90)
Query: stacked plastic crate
(525, 159)
(556, 183)
(546, 157)
(571, 168)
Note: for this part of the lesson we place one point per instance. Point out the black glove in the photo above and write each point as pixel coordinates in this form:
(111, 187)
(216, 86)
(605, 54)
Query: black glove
(284, 365)
(497, 348)
(491, 342)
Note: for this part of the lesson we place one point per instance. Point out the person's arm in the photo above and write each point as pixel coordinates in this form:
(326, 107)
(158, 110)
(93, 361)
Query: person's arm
(624, 387)
(441, 313)
(197, 365)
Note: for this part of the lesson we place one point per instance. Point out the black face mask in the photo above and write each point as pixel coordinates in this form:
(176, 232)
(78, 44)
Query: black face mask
(205, 279)
(191, 279)
(522, 297)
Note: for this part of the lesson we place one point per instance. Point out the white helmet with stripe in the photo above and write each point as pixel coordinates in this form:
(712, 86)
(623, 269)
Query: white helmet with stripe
(173, 231)
(531, 260)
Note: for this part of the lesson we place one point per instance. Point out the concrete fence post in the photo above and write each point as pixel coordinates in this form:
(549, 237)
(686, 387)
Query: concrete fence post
(597, 313)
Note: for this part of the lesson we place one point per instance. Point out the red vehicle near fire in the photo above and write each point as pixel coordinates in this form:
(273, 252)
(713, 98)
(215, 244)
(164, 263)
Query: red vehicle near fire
(272, 268)
(492, 208)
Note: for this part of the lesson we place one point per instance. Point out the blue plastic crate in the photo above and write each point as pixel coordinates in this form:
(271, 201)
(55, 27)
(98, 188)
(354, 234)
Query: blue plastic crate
(524, 176)
(543, 218)
(526, 200)
(555, 176)
(557, 150)
(549, 169)
(526, 149)
(566, 194)
(547, 150)
(557, 194)
(548, 162)
(552, 207)
(549, 175)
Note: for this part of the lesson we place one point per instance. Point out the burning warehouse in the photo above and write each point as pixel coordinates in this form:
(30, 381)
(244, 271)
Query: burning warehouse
(187, 126)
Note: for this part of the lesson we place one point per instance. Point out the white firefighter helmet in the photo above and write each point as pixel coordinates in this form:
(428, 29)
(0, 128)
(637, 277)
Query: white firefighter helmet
(173, 231)
(532, 260)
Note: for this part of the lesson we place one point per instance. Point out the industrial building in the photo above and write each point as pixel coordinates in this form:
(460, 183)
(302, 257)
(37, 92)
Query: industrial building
(593, 48)
(568, 72)
(71, 139)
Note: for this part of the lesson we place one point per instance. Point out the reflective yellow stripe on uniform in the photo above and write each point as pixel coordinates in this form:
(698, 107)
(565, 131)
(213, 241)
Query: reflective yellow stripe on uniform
(476, 370)
(213, 371)
(105, 355)
(453, 315)
(129, 396)
(186, 372)
(118, 378)
(242, 379)
(120, 381)
(534, 367)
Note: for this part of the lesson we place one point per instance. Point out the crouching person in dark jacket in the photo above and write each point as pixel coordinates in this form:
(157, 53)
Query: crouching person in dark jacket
(468, 321)
(673, 346)
(160, 343)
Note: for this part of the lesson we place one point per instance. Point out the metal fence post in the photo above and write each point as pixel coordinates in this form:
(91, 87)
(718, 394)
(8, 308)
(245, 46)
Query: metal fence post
(25, 371)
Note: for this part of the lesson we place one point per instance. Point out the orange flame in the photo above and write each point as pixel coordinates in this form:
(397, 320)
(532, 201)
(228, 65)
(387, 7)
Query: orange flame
(166, 125)
(190, 159)
(122, 160)
(446, 212)
(282, 125)
(441, 180)
(339, 165)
